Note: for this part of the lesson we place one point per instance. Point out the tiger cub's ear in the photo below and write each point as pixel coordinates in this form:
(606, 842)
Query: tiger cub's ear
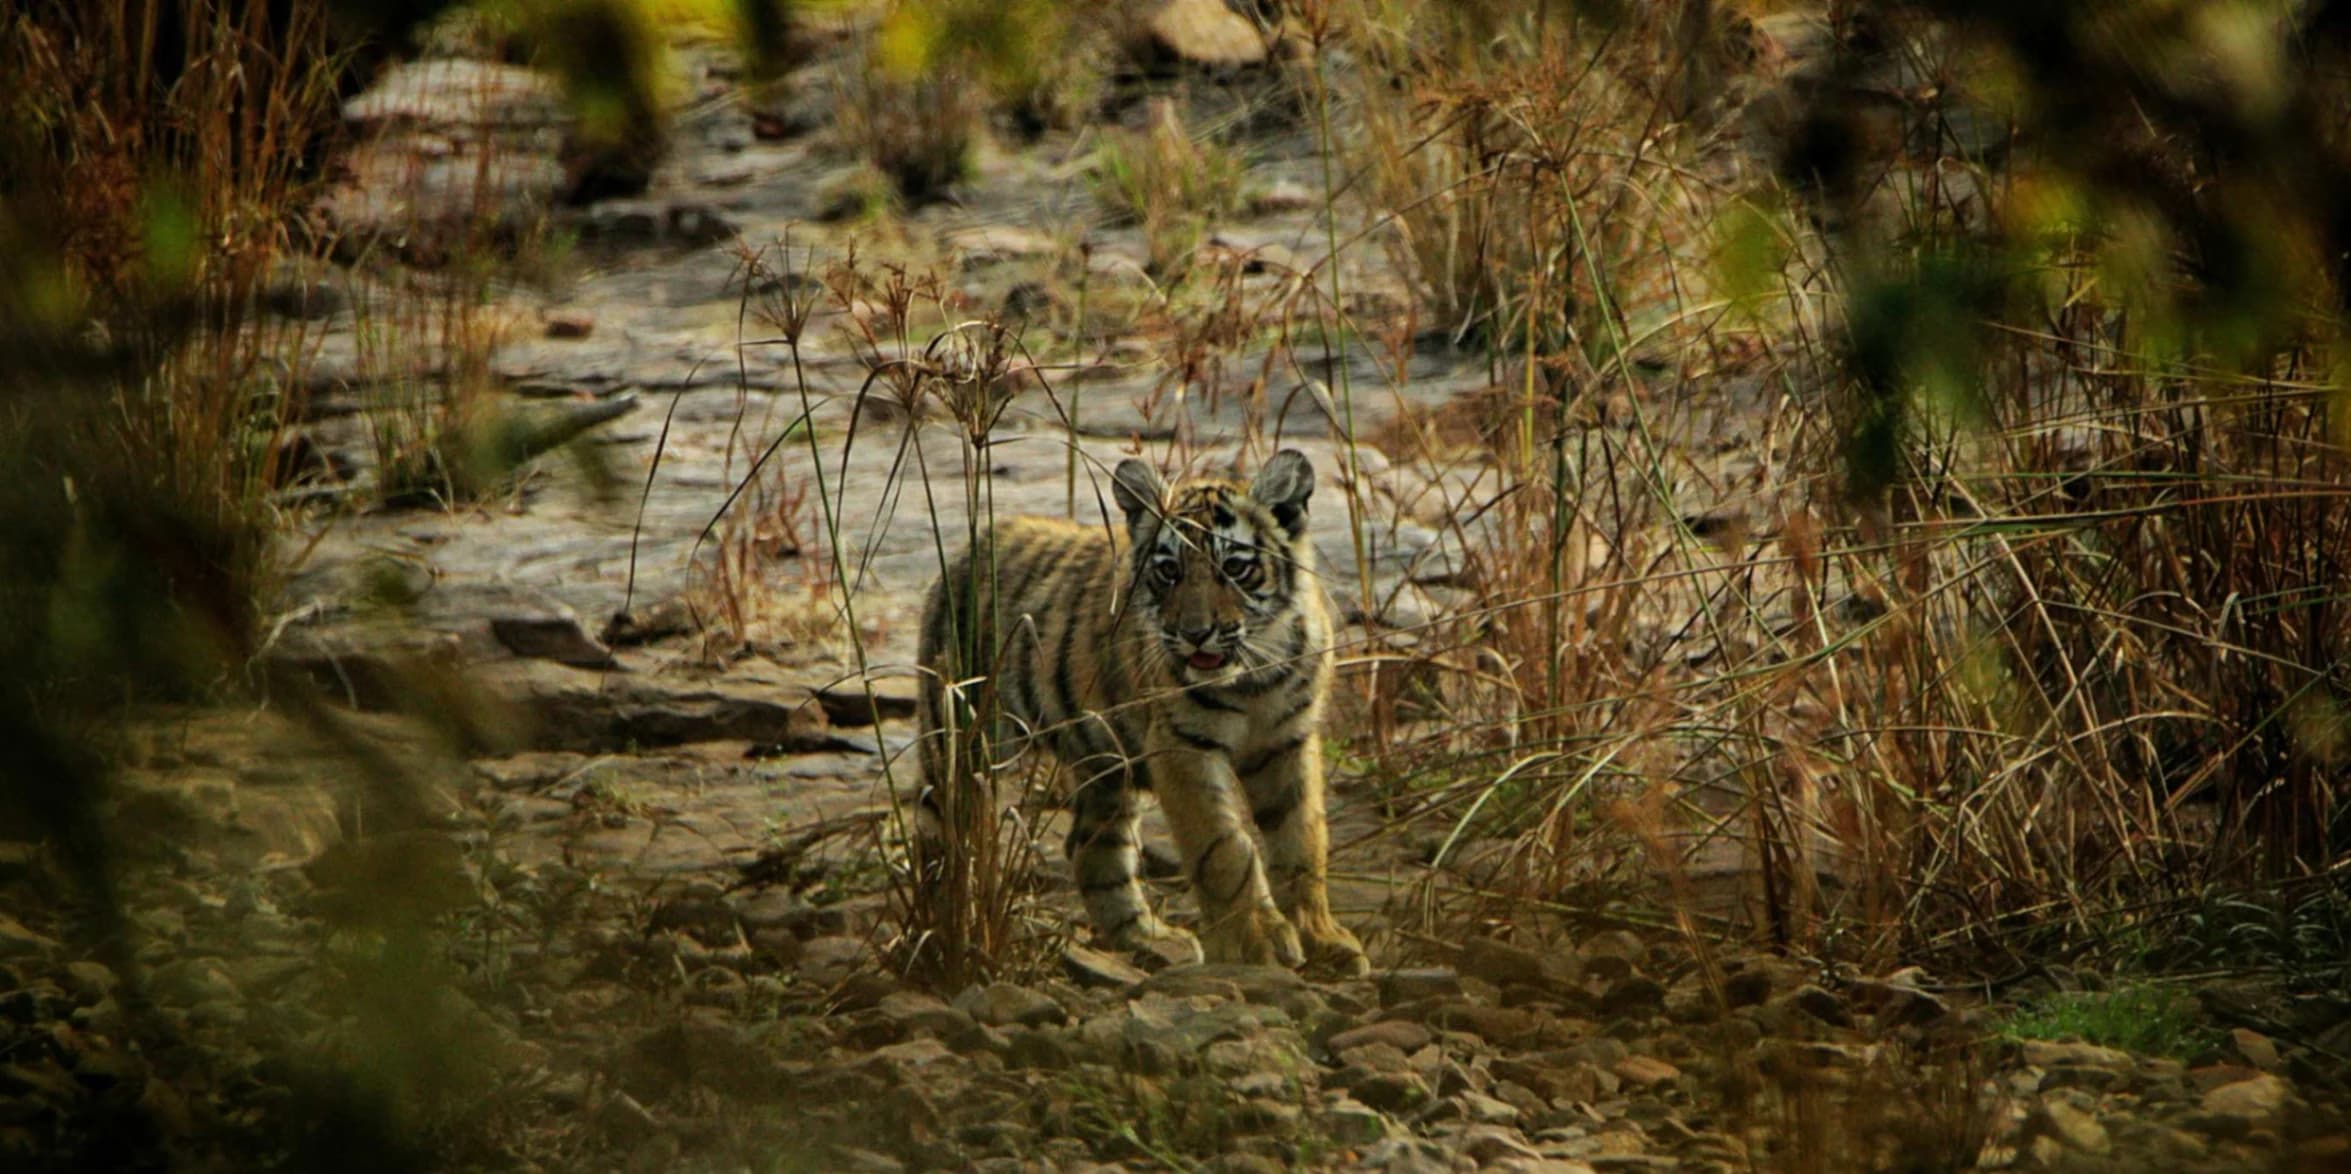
(1138, 490)
(1283, 486)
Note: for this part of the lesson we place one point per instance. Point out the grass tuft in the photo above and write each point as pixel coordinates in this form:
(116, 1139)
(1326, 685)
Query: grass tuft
(1169, 183)
(2142, 1018)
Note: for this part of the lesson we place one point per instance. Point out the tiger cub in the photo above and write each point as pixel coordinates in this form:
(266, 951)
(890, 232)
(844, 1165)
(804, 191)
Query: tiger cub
(1189, 655)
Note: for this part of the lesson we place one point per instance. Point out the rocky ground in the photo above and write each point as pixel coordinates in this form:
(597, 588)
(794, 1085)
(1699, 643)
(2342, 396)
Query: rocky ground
(573, 968)
(586, 859)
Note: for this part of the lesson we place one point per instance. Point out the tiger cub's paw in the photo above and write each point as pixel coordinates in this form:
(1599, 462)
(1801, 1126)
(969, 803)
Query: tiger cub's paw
(1255, 934)
(1332, 949)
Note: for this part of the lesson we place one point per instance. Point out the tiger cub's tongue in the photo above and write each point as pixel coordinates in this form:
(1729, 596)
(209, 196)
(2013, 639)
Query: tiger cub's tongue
(1205, 661)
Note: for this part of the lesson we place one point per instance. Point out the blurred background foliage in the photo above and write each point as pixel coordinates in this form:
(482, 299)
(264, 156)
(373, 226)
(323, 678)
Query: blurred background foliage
(157, 158)
(2159, 247)
(2092, 267)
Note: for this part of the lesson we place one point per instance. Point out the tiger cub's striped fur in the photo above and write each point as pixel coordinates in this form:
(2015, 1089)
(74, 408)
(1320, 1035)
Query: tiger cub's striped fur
(1189, 655)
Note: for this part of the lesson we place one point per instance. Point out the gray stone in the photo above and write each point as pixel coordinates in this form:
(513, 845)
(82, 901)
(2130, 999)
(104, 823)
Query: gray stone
(1645, 1071)
(1371, 1057)
(1557, 1078)
(1092, 968)
(1202, 33)
(2263, 1098)
(2257, 1049)
(1406, 986)
(1154, 1027)
(1503, 964)
(430, 202)
(652, 221)
(2063, 1053)
(1002, 1004)
(93, 979)
(555, 635)
(1632, 993)
(977, 1038)
(2076, 1127)
(1691, 1000)
(1265, 986)
(851, 1159)
(626, 1120)
(1265, 1115)
(1489, 1143)
(1407, 1155)
(1817, 1003)
(1045, 1049)
(1487, 1110)
(1256, 1055)
(1900, 1005)
(1259, 1085)
(2082, 1076)
(2223, 1126)
(192, 981)
(454, 93)
(915, 1063)
(596, 712)
(1390, 1092)
(1758, 979)
(1405, 1036)
(829, 961)
(925, 1013)
(17, 941)
(1351, 1122)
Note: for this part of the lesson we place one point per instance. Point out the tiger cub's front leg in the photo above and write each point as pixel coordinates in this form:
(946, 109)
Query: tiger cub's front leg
(1239, 920)
(1104, 850)
(1285, 787)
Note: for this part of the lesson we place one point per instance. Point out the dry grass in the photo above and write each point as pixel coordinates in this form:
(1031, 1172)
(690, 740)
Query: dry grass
(1937, 661)
(1533, 186)
(918, 100)
(922, 134)
(964, 899)
(153, 153)
(769, 519)
(1170, 184)
(740, 609)
(2033, 624)
(426, 343)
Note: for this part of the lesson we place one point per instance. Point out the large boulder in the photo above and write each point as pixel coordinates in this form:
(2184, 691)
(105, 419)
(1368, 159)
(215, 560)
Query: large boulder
(1199, 33)
(449, 151)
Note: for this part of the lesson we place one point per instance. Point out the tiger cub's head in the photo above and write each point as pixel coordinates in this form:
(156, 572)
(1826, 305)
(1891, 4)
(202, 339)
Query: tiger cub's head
(1218, 564)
